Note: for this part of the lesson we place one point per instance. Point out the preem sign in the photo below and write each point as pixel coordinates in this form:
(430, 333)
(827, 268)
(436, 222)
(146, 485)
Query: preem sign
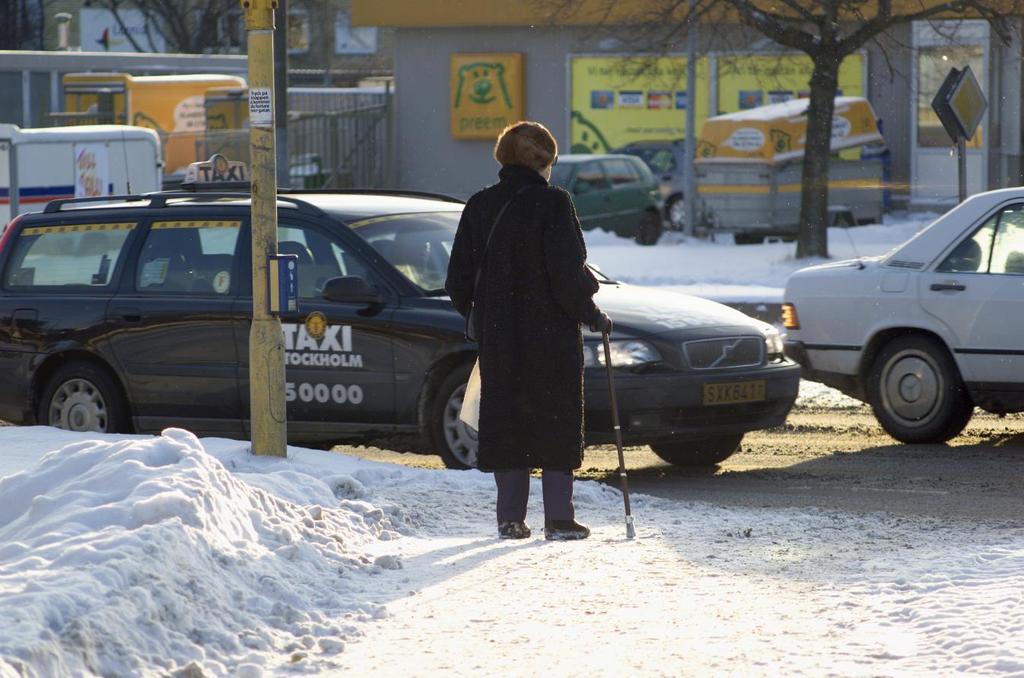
(486, 93)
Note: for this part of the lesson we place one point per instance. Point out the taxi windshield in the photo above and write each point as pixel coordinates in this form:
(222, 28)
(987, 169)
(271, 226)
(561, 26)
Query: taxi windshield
(418, 245)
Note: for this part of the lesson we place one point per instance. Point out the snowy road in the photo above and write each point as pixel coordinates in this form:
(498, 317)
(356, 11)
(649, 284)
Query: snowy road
(822, 548)
(835, 457)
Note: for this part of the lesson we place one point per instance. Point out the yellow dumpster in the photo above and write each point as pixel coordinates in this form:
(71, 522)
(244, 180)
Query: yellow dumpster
(749, 168)
(227, 122)
(172, 105)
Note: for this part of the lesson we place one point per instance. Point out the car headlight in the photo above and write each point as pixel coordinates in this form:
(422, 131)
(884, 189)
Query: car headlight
(625, 353)
(773, 343)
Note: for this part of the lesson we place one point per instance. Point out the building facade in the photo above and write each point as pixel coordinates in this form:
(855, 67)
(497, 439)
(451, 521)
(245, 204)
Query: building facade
(324, 47)
(574, 75)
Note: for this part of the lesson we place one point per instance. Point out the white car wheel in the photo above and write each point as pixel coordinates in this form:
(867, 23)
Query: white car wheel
(911, 387)
(916, 392)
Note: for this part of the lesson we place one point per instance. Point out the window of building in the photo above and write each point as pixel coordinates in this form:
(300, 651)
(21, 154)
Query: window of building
(231, 30)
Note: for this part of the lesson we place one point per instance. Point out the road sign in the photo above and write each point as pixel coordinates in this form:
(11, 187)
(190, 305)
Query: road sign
(960, 104)
(968, 103)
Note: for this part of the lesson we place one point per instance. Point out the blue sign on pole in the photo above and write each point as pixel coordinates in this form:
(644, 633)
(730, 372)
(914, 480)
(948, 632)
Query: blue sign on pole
(284, 283)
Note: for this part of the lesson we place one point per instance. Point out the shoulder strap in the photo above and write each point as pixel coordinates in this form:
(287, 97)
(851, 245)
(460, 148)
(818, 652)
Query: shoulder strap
(490, 235)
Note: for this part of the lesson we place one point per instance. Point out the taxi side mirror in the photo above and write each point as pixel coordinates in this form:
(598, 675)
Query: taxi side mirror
(351, 289)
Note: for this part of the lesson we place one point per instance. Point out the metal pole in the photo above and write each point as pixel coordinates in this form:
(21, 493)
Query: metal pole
(623, 482)
(961, 165)
(284, 178)
(267, 414)
(691, 121)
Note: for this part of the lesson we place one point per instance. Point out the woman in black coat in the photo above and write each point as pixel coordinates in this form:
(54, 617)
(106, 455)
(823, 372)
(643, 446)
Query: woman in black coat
(534, 291)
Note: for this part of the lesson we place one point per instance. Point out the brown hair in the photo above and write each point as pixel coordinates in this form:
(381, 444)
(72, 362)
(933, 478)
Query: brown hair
(526, 143)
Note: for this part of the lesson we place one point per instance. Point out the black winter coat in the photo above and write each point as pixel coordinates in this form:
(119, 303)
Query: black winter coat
(534, 292)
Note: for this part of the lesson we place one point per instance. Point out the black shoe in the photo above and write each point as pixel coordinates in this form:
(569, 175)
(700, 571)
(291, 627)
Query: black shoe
(564, 530)
(513, 529)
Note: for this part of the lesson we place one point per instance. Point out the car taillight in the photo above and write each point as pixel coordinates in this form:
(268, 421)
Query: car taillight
(790, 320)
(7, 232)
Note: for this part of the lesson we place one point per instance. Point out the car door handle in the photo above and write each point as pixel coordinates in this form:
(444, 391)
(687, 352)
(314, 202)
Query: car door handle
(128, 314)
(948, 286)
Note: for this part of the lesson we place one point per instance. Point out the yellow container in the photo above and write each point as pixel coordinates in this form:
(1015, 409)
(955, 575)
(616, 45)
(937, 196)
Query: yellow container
(749, 167)
(172, 105)
(777, 132)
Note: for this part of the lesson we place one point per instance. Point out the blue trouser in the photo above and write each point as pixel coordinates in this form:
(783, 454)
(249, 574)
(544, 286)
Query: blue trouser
(514, 493)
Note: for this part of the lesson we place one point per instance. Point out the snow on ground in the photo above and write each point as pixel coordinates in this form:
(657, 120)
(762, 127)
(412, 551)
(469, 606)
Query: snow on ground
(726, 272)
(820, 397)
(137, 555)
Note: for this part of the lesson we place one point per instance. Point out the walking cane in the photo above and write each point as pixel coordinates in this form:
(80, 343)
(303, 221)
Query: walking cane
(630, 531)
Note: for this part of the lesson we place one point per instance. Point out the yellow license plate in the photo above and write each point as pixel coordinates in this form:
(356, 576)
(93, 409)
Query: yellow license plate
(734, 392)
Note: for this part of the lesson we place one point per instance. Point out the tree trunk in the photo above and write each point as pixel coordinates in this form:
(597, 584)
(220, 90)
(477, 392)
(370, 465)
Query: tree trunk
(813, 238)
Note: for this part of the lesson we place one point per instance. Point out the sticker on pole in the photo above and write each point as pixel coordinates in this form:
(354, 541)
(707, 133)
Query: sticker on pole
(261, 107)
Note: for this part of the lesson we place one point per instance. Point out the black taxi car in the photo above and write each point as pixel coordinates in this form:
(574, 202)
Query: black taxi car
(133, 314)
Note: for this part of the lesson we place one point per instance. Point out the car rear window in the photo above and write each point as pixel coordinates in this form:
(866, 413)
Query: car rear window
(620, 172)
(660, 160)
(83, 255)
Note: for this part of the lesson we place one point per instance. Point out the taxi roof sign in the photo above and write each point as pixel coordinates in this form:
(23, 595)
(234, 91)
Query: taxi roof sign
(217, 171)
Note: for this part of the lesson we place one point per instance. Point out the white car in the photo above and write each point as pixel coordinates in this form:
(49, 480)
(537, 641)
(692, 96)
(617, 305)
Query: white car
(926, 332)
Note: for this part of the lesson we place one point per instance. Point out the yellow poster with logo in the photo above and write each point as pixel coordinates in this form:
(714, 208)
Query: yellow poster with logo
(753, 80)
(621, 99)
(486, 93)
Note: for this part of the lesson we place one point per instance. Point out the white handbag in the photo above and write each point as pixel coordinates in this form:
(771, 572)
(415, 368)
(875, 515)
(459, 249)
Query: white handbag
(470, 412)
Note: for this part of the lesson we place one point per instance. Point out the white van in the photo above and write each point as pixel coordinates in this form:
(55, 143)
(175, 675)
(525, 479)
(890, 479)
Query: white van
(40, 165)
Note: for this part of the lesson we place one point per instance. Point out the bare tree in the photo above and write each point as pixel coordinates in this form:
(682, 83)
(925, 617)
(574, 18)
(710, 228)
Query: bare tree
(827, 31)
(187, 26)
(22, 24)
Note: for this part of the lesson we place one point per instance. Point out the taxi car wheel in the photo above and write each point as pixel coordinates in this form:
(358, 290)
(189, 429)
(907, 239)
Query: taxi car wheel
(699, 452)
(916, 392)
(83, 397)
(455, 442)
(649, 230)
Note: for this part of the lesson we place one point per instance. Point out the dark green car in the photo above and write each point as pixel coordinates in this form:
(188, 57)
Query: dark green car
(615, 193)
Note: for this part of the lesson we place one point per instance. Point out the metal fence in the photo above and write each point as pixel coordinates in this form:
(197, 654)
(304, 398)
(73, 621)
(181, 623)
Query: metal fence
(337, 138)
